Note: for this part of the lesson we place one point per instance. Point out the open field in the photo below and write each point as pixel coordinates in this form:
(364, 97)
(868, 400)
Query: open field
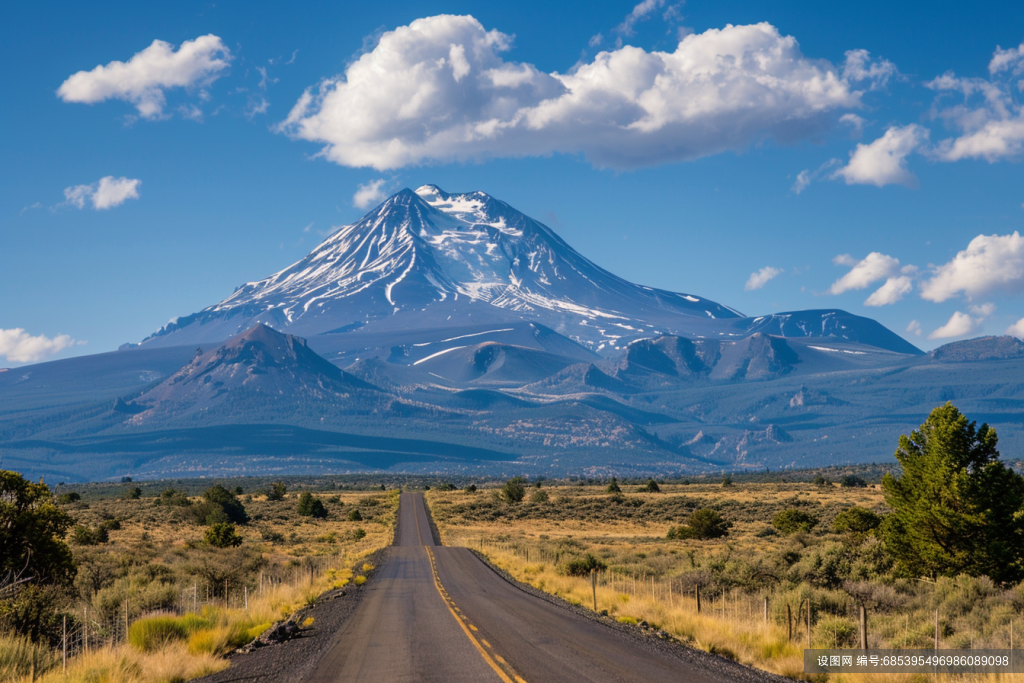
(134, 591)
(644, 576)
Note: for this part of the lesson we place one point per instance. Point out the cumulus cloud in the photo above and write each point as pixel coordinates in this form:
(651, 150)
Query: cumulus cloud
(440, 90)
(960, 325)
(760, 278)
(369, 194)
(860, 67)
(144, 78)
(872, 268)
(914, 327)
(894, 289)
(106, 193)
(18, 346)
(990, 263)
(883, 162)
(988, 117)
(1016, 329)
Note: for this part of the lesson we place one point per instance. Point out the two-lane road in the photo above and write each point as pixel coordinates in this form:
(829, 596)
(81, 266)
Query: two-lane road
(440, 614)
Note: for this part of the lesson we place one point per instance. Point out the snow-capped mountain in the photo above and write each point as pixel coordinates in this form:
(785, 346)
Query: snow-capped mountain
(429, 259)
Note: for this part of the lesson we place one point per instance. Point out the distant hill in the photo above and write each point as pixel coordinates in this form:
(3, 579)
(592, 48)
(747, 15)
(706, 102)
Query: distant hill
(980, 349)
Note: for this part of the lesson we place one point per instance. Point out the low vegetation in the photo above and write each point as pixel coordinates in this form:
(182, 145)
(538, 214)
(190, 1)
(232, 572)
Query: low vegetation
(756, 553)
(161, 587)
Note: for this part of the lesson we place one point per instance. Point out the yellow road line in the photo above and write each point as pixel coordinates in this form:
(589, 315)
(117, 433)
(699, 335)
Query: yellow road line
(511, 676)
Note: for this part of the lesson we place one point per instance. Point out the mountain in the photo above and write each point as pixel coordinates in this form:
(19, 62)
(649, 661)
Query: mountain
(428, 259)
(256, 368)
(980, 349)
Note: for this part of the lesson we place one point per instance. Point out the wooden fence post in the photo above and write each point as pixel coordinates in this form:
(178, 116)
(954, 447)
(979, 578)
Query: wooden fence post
(863, 627)
(64, 644)
(789, 622)
(808, 622)
(697, 593)
(766, 609)
(593, 586)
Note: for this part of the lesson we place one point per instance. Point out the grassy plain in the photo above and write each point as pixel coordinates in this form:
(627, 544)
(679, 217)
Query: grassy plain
(135, 591)
(645, 576)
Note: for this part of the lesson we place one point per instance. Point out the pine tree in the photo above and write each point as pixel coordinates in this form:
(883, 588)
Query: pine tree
(955, 507)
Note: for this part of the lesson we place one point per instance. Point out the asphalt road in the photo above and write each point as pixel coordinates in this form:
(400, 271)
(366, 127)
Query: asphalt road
(435, 613)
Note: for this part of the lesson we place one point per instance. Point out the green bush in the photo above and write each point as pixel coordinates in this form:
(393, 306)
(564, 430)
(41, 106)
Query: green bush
(514, 490)
(704, 523)
(856, 520)
(852, 481)
(354, 515)
(359, 534)
(276, 491)
(223, 535)
(793, 520)
(470, 489)
(172, 497)
(83, 535)
(310, 506)
(613, 486)
(20, 657)
(132, 493)
(539, 496)
(232, 508)
(153, 633)
(650, 487)
(727, 480)
(582, 566)
(70, 497)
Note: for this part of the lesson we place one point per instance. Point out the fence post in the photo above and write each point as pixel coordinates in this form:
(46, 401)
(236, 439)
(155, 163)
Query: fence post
(766, 609)
(593, 585)
(808, 622)
(863, 627)
(697, 593)
(789, 622)
(64, 643)
(936, 628)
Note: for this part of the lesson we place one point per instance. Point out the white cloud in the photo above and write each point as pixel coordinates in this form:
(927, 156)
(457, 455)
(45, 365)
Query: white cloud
(883, 162)
(106, 193)
(959, 325)
(18, 346)
(874, 267)
(914, 327)
(805, 177)
(143, 79)
(1016, 329)
(641, 11)
(860, 67)
(411, 99)
(989, 118)
(760, 278)
(369, 194)
(990, 263)
(894, 289)
(855, 122)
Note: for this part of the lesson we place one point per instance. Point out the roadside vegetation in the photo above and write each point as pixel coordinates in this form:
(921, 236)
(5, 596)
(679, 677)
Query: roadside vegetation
(940, 538)
(143, 588)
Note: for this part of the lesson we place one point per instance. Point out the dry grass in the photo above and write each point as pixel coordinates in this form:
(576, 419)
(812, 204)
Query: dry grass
(649, 577)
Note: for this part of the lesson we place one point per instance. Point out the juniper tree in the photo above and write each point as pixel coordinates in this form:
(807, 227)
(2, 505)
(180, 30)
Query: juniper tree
(955, 507)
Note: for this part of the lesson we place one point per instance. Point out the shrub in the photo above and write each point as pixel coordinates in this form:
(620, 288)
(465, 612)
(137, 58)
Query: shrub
(793, 520)
(470, 489)
(354, 515)
(310, 506)
(232, 508)
(702, 524)
(852, 481)
(446, 486)
(223, 535)
(367, 567)
(359, 534)
(133, 493)
(276, 491)
(613, 486)
(359, 580)
(514, 490)
(83, 535)
(271, 536)
(727, 480)
(539, 496)
(20, 658)
(582, 566)
(856, 520)
(651, 487)
(821, 481)
(70, 497)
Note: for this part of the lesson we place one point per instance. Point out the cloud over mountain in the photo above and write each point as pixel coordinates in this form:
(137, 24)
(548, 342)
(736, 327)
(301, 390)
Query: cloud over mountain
(18, 346)
(459, 99)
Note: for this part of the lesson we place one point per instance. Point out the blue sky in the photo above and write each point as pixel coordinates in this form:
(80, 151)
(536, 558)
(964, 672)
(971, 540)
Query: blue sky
(131, 197)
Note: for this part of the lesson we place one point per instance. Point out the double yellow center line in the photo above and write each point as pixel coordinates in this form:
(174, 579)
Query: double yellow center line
(504, 670)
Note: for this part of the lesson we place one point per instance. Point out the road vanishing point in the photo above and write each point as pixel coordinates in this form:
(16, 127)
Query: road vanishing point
(436, 613)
